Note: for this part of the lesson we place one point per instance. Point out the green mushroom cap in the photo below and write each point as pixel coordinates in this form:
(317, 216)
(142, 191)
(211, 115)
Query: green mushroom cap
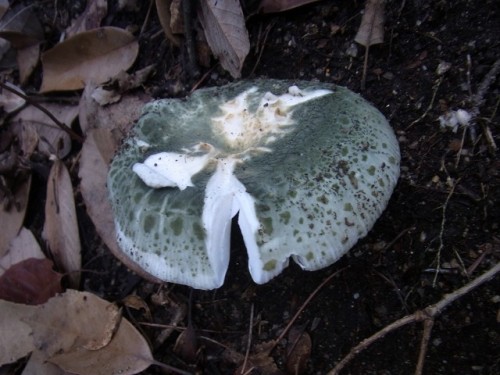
(309, 167)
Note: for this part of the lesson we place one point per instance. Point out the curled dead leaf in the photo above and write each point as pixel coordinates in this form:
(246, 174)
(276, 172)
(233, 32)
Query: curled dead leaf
(371, 30)
(61, 227)
(226, 33)
(31, 281)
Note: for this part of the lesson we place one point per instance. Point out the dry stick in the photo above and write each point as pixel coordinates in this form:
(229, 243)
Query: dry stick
(365, 67)
(63, 127)
(424, 344)
(428, 313)
(431, 104)
(299, 311)
(249, 341)
(262, 47)
(441, 232)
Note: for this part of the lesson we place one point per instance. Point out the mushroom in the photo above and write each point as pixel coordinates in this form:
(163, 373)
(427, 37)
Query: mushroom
(308, 167)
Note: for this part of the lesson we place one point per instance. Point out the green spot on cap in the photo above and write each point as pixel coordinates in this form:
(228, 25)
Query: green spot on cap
(177, 225)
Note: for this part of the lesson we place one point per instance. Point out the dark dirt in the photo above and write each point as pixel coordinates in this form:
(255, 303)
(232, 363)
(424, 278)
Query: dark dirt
(444, 209)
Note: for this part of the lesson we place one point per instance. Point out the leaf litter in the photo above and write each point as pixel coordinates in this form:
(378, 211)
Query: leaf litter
(61, 226)
(101, 139)
(91, 56)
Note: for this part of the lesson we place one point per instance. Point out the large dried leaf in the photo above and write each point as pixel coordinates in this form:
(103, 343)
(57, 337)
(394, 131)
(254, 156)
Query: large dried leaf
(274, 6)
(22, 247)
(53, 140)
(61, 227)
(371, 30)
(226, 33)
(85, 334)
(15, 340)
(97, 152)
(74, 321)
(21, 27)
(31, 281)
(12, 216)
(92, 56)
(128, 353)
(37, 365)
(90, 19)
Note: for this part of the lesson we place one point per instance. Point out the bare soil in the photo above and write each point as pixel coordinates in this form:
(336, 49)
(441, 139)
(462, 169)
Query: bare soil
(441, 228)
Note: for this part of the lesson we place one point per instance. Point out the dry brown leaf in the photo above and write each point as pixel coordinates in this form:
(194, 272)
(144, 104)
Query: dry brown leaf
(274, 6)
(27, 60)
(31, 281)
(12, 218)
(15, 340)
(83, 334)
(92, 56)
(128, 353)
(371, 30)
(9, 101)
(53, 140)
(61, 226)
(74, 321)
(37, 365)
(22, 247)
(164, 15)
(21, 27)
(226, 33)
(97, 152)
(90, 19)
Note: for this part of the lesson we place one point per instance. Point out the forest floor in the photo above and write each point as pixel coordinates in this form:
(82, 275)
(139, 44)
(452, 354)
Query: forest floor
(439, 232)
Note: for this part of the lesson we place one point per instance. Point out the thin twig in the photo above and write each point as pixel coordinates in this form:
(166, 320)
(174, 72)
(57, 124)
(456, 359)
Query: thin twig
(63, 127)
(431, 104)
(262, 47)
(299, 311)
(427, 313)
(424, 344)
(249, 342)
(441, 232)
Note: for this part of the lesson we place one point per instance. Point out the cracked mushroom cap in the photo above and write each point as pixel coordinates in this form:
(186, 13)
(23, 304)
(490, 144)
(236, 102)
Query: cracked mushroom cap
(308, 168)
